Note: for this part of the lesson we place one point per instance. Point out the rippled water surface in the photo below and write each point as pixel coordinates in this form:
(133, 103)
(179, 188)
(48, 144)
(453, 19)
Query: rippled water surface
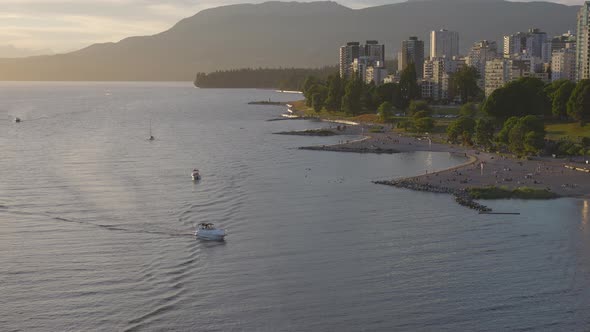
(96, 223)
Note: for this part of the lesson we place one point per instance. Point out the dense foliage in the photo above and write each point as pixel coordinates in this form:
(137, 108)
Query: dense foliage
(525, 135)
(526, 96)
(463, 127)
(463, 84)
(578, 106)
(560, 92)
(262, 78)
(352, 96)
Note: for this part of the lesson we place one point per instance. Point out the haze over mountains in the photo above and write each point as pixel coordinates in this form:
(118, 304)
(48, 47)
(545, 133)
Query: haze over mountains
(290, 34)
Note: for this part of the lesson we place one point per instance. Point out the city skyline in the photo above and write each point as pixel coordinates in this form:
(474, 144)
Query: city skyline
(31, 26)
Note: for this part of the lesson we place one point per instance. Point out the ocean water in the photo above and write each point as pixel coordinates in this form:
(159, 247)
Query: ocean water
(96, 225)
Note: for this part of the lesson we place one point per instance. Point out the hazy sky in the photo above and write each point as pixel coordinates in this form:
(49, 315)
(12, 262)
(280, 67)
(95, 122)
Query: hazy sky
(63, 25)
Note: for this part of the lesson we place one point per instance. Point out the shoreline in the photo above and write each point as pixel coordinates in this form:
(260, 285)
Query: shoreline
(483, 169)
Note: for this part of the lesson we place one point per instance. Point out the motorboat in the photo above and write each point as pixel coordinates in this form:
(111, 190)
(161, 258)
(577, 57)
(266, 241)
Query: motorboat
(17, 120)
(207, 231)
(195, 175)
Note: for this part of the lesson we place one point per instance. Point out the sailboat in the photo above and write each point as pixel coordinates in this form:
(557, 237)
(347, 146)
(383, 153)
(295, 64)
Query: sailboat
(151, 137)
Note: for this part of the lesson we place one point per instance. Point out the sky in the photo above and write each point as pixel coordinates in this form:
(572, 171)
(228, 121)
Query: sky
(30, 27)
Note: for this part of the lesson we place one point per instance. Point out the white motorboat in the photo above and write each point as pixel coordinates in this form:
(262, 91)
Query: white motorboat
(195, 175)
(207, 231)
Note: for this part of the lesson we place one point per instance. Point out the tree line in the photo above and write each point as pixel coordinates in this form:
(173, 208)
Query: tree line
(262, 78)
(513, 117)
(354, 97)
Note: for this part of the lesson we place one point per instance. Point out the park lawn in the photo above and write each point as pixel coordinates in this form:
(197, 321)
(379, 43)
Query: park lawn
(447, 110)
(324, 114)
(572, 130)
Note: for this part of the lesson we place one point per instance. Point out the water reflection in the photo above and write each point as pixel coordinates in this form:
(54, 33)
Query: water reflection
(585, 213)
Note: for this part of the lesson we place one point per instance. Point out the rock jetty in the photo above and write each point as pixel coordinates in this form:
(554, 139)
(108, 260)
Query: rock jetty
(345, 148)
(462, 197)
(309, 132)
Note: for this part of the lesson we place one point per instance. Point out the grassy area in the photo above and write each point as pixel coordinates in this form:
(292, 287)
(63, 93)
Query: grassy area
(324, 114)
(504, 192)
(441, 124)
(573, 130)
(447, 110)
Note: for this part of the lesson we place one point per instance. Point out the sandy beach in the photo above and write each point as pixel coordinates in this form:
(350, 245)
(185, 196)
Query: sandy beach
(481, 168)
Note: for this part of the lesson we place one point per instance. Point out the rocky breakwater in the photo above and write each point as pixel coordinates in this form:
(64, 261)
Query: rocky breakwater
(461, 195)
(309, 132)
(346, 148)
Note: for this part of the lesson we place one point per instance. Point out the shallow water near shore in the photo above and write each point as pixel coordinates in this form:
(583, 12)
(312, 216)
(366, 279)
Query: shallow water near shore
(96, 225)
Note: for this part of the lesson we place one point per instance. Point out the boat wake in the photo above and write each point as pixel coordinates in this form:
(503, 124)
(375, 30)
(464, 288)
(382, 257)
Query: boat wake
(115, 228)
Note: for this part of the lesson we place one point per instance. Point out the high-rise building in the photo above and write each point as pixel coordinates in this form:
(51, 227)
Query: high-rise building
(437, 74)
(530, 42)
(583, 43)
(481, 52)
(412, 53)
(566, 40)
(498, 73)
(348, 53)
(563, 64)
(503, 70)
(374, 50)
(444, 44)
(356, 58)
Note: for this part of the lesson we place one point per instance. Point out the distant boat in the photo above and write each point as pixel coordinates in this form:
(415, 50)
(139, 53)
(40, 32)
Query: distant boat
(151, 137)
(17, 120)
(196, 175)
(207, 231)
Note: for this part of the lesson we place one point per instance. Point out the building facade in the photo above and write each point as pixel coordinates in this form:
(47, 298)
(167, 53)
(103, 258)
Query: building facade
(412, 53)
(583, 43)
(437, 75)
(348, 53)
(563, 64)
(481, 52)
(532, 43)
(374, 51)
(498, 72)
(444, 44)
(355, 59)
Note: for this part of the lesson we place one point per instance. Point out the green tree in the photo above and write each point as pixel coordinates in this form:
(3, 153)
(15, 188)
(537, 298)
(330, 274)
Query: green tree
(469, 109)
(523, 135)
(367, 102)
(335, 93)
(317, 101)
(525, 96)
(464, 127)
(560, 98)
(424, 125)
(420, 106)
(484, 132)
(385, 112)
(578, 106)
(351, 101)
(408, 85)
(387, 92)
(508, 125)
(464, 83)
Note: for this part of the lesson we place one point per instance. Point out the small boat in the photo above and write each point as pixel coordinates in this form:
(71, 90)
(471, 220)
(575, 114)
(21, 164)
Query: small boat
(207, 231)
(17, 120)
(195, 175)
(151, 137)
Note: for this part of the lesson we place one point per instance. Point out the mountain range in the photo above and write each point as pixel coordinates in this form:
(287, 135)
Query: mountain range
(286, 34)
